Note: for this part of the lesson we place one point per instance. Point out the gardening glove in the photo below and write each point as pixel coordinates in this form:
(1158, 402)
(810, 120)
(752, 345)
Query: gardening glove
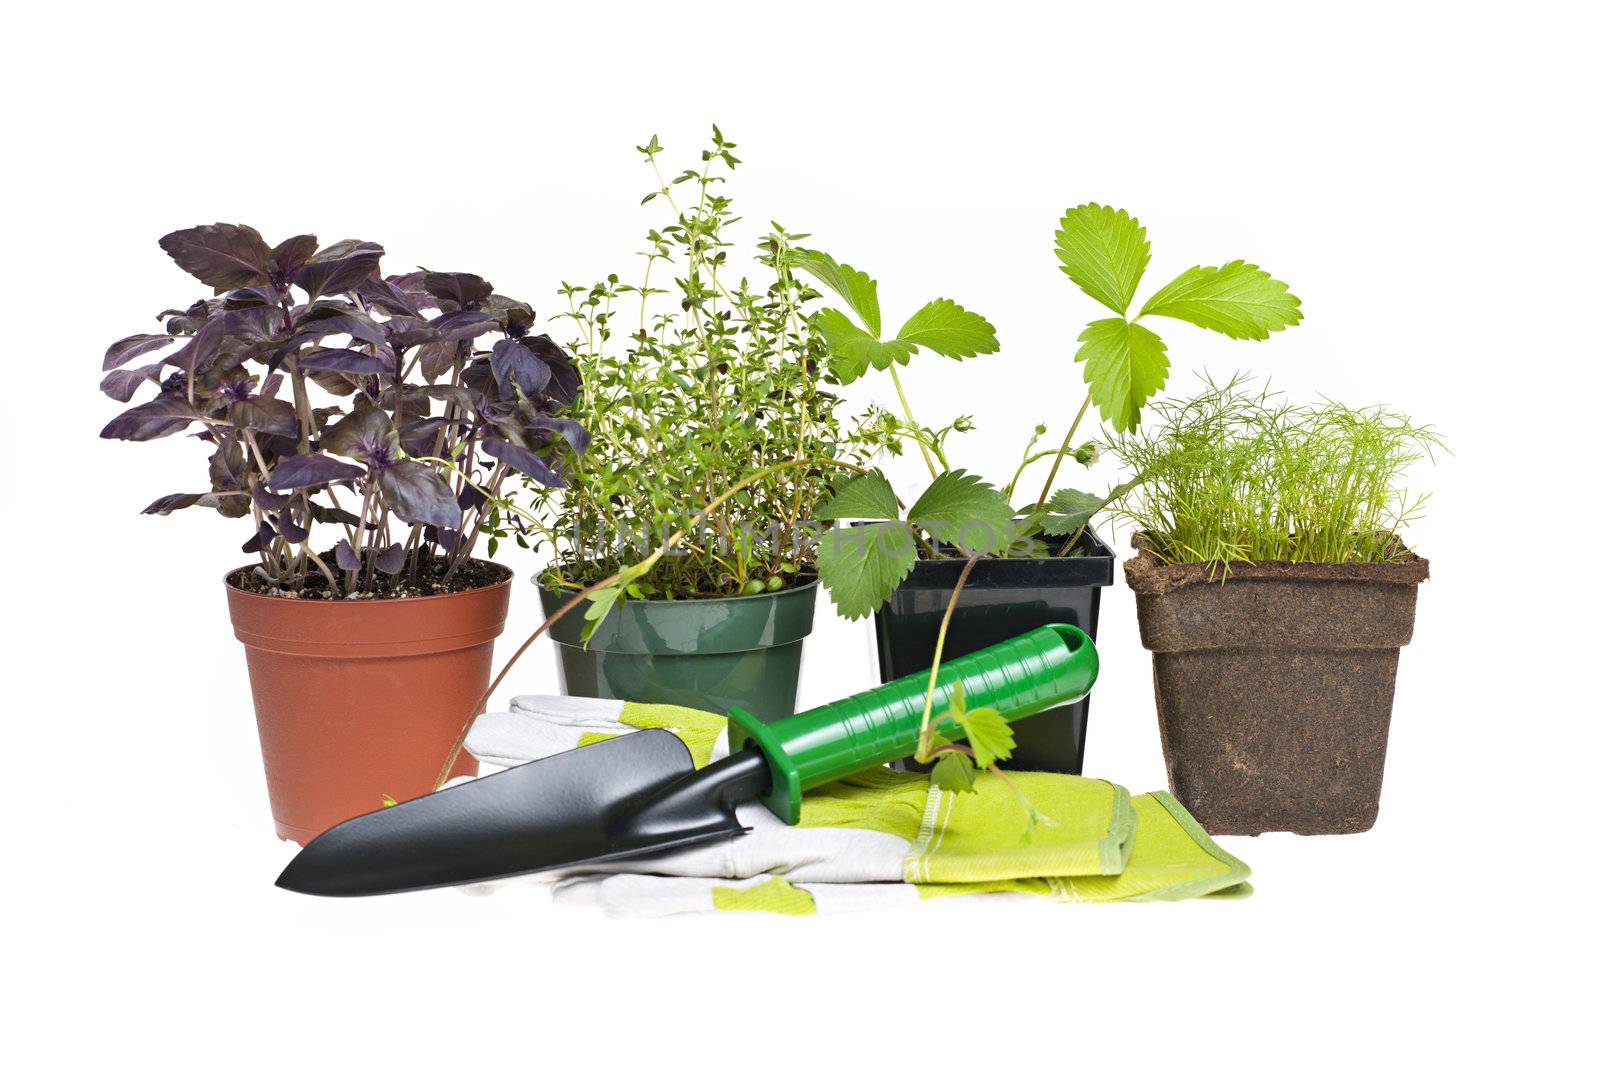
(873, 840)
(1172, 859)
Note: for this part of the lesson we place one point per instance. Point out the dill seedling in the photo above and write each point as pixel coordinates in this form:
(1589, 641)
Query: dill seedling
(1236, 474)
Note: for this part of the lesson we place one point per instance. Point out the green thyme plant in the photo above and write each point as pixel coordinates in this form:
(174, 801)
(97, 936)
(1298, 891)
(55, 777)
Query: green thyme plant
(1236, 474)
(695, 376)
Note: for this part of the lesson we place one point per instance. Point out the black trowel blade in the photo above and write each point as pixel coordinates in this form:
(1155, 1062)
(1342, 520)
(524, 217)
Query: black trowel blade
(567, 809)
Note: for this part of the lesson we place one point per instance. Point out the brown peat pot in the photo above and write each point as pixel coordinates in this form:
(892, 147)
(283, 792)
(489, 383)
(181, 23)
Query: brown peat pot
(358, 700)
(1274, 686)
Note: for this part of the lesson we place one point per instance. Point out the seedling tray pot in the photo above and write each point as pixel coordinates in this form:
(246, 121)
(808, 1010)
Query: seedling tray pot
(1003, 598)
(712, 654)
(359, 700)
(1274, 686)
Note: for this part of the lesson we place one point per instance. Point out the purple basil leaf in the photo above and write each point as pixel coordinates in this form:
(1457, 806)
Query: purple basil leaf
(267, 500)
(256, 325)
(451, 394)
(366, 434)
(292, 531)
(400, 340)
(575, 434)
(122, 384)
(322, 513)
(264, 535)
(523, 461)
(132, 347)
(391, 559)
(161, 417)
(187, 322)
(516, 316)
(269, 416)
(339, 268)
(415, 289)
(337, 384)
(302, 471)
(224, 256)
(564, 377)
(270, 387)
(292, 254)
(514, 361)
(463, 325)
(414, 404)
(386, 296)
(437, 359)
(420, 437)
(346, 557)
(229, 466)
(254, 297)
(347, 361)
(353, 323)
(463, 290)
(177, 501)
(201, 347)
(416, 493)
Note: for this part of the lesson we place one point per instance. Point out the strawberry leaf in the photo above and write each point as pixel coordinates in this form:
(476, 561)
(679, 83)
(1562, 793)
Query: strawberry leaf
(1104, 251)
(1238, 299)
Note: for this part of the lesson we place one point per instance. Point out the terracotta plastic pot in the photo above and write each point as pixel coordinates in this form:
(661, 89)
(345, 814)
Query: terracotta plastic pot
(1274, 687)
(710, 654)
(359, 700)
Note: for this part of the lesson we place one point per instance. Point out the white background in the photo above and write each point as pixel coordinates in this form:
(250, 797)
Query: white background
(1421, 175)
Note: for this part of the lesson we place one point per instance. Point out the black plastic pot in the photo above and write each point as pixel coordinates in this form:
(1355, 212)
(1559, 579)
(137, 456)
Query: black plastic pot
(1003, 598)
(708, 654)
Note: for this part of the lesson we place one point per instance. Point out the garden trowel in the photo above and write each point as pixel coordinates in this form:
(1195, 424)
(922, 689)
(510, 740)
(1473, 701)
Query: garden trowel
(638, 794)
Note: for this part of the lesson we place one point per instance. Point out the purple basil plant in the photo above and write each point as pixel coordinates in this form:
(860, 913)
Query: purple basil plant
(331, 395)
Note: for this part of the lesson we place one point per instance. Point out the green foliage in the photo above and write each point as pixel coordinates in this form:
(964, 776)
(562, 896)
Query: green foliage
(942, 326)
(853, 351)
(863, 496)
(955, 772)
(1069, 509)
(601, 601)
(1104, 251)
(989, 735)
(950, 330)
(861, 565)
(989, 740)
(1238, 299)
(693, 380)
(1235, 474)
(1125, 365)
(858, 290)
(961, 509)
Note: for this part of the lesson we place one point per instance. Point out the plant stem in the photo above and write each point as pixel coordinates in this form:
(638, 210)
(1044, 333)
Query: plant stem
(938, 654)
(912, 419)
(333, 583)
(1066, 444)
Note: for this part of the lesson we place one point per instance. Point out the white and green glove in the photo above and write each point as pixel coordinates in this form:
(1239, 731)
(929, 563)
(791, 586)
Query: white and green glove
(875, 839)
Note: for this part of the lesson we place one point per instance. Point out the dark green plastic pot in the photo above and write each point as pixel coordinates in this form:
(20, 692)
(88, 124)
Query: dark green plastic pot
(709, 654)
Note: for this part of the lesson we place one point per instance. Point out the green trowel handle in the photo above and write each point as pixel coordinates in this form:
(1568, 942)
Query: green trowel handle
(1042, 669)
